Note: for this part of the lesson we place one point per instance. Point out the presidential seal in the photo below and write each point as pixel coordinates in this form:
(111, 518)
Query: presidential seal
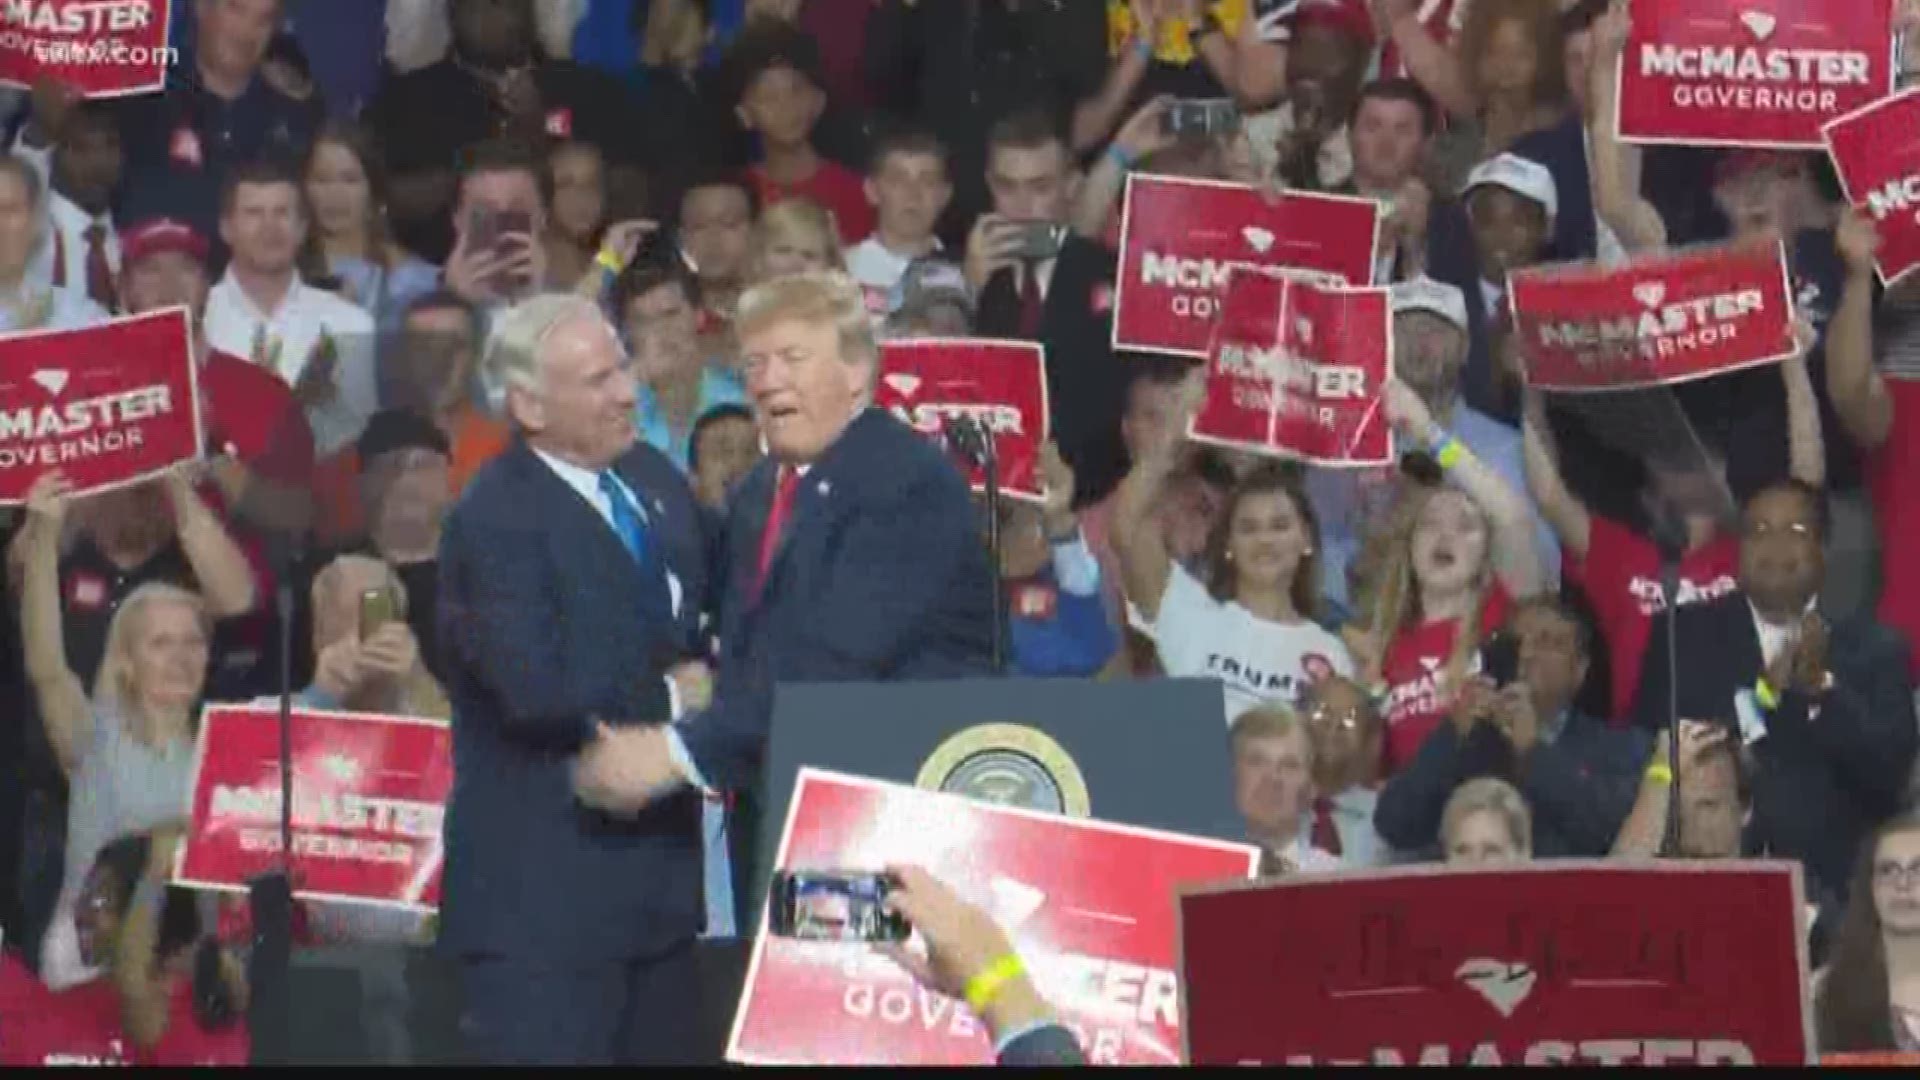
(1008, 765)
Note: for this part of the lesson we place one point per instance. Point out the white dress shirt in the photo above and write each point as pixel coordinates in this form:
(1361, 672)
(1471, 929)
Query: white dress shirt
(288, 337)
(64, 245)
(1360, 843)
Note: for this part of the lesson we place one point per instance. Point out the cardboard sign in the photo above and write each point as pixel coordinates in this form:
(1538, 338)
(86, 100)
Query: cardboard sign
(369, 793)
(1180, 238)
(1876, 152)
(1089, 905)
(100, 48)
(1751, 72)
(1296, 371)
(1002, 385)
(110, 404)
(1668, 319)
(1561, 963)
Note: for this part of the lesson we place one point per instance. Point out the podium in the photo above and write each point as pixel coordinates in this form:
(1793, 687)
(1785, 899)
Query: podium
(1148, 754)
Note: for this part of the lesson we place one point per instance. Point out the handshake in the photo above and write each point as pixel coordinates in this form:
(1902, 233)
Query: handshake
(627, 768)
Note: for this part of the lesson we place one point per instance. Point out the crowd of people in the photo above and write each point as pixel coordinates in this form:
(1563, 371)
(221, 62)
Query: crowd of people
(1466, 656)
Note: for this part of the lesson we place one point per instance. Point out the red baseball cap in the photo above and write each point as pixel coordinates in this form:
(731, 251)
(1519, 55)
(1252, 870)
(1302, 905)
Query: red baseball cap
(158, 234)
(1349, 17)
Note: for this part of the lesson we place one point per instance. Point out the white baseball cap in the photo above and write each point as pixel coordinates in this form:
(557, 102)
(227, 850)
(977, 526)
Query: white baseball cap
(1525, 178)
(1435, 297)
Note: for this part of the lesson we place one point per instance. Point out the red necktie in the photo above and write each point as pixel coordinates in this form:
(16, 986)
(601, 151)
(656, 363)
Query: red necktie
(1030, 300)
(99, 274)
(1324, 835)
(777, 514)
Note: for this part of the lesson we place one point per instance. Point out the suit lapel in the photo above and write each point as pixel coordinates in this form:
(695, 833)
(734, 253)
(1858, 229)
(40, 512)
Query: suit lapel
(560, 504)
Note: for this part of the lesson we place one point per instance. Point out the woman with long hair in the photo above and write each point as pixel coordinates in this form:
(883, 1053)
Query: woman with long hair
(126, 749)
(345, 182)
(579, 176)
(1868, 996)
(1455, 560)
(1249, 622)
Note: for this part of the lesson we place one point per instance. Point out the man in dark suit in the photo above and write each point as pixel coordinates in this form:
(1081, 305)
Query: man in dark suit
(1825, 713)
(853, 551)
(567, 597)
(1062, 300)
(1579, 775)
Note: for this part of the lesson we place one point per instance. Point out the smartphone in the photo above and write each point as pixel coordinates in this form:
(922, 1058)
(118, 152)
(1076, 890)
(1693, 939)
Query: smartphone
(378, 607)
(1040, 240)
(1202, 116)
(1500, 659)
(483, 228)
(513, 223)
(830, 905)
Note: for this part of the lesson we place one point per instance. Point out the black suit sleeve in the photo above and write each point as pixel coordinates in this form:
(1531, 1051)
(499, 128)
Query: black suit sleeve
(1049, 1045)
(1407, 815)
(1586, 806)
(501, 619)
(1865, 726)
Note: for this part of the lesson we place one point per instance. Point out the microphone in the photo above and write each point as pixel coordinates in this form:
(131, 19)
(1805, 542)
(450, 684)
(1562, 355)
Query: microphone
(965, 437)
(968, 438)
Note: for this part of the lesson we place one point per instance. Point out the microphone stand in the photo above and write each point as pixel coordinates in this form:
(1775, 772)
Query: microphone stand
(1669, 535)
(973, 442)
(270, 895)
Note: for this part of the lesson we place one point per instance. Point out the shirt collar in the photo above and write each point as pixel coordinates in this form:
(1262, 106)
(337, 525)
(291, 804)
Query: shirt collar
(1552, 729)
(290, 302)
(584, 481)
(69, 217)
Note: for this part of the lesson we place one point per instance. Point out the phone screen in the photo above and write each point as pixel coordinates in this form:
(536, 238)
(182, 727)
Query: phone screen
(832, 906)
(378, 607)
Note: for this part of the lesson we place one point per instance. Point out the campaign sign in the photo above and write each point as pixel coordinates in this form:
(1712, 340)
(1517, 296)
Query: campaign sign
(1751, 72)
(1000, 385)
(1180, 238)
(1088, 904)
(369, 793)
(109, 404)
(1296, 371)
(1549, 963)
(100, 48)
(1668, 319)
(1876, 152)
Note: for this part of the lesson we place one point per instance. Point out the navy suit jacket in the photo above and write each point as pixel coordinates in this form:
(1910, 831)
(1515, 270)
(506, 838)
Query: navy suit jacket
(881, 574)
(1824, 779)
(548, 624)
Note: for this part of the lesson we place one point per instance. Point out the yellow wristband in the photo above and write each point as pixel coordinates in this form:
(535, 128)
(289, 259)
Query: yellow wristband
(1765, 694)
(609, 260)
(1660, 771)
(984, 987)
(1450, 453)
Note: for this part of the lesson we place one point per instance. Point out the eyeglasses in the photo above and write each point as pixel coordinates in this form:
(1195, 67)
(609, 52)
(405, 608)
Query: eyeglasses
(1895, 875)
(1322, 717)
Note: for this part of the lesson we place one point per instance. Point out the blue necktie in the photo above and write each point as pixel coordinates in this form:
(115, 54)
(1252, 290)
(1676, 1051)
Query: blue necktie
(626, 520)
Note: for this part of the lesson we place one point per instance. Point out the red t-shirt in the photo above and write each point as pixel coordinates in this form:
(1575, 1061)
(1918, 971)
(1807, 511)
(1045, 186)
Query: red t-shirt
(81, 1026)
(1621, 575)
(835, 187)
(38, 1026)
(1896, 514)
(1415, 668)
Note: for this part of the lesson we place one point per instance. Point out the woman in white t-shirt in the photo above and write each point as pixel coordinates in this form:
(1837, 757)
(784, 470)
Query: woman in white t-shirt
(1250, 623)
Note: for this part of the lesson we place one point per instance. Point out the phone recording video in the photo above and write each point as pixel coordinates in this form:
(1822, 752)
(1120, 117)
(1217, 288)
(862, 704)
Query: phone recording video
(1500, 659)
(1040, 240)
(1207, 117)
(820, 905)
(378, 607)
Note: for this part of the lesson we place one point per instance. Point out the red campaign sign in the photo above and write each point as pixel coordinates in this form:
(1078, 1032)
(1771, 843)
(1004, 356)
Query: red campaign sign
(1296, 371)
(1658, 321)
(1181, 238)
(1001, 384)
(369, 793)
(1554, 963)
(100, 48)
(1751, 72)
(1876, 152)
(1089, 905)
(110, 404)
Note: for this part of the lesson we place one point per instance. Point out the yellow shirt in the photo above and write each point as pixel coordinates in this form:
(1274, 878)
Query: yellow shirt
(1174, 47)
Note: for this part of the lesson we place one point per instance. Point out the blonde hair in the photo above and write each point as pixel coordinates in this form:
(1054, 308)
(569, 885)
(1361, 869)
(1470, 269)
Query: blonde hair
(420, 693)
(1489, 794)
(802, 222)
(1271, 720)
(512, 359)
(1396, 593)
(113, 688)
(817, 297)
